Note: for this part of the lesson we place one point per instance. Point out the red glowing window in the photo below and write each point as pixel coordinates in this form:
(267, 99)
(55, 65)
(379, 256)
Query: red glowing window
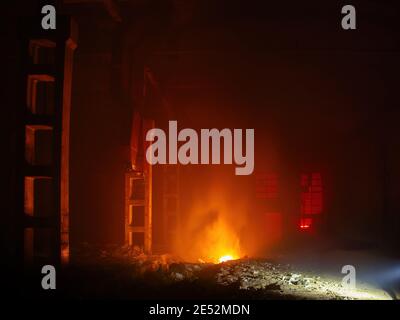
(311, 195)
(267, 186)
(311, 199)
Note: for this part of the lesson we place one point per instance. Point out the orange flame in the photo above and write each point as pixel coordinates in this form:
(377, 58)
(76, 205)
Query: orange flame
(222, 243)
(211, 228)
(216, 242)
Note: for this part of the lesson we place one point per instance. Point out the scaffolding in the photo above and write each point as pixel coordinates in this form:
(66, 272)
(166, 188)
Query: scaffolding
(43, 140)
(138, 192)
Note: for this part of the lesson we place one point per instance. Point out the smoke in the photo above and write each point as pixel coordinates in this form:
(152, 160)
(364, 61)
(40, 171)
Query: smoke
(213, 219)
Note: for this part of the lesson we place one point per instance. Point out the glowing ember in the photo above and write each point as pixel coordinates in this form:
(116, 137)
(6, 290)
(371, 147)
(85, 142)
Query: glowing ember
(225, 258)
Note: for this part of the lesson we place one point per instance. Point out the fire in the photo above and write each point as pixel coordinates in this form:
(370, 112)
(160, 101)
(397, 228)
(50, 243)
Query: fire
(225, 258)
(211, 232)
(217, 242)
(222, 242)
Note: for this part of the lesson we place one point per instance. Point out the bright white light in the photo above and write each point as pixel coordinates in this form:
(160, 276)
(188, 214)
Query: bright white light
(225, 258)
(364, 293)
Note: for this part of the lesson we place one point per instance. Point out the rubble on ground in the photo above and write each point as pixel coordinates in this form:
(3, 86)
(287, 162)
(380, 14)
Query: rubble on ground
(253, 274)
(262, 276)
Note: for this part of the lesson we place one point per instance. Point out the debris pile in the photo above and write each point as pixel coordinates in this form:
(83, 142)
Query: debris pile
(259, 278)
(185, 271)
(254, 274)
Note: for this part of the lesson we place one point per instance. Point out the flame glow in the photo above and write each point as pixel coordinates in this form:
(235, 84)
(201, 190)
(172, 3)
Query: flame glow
(225, 258)
(211, 229)
(216, 243)
(222, 243)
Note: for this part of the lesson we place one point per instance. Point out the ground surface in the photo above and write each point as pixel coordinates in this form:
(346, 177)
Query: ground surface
(121, 272)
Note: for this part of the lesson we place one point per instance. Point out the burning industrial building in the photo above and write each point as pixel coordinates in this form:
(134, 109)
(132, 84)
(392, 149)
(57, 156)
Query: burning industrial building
(292, 192)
